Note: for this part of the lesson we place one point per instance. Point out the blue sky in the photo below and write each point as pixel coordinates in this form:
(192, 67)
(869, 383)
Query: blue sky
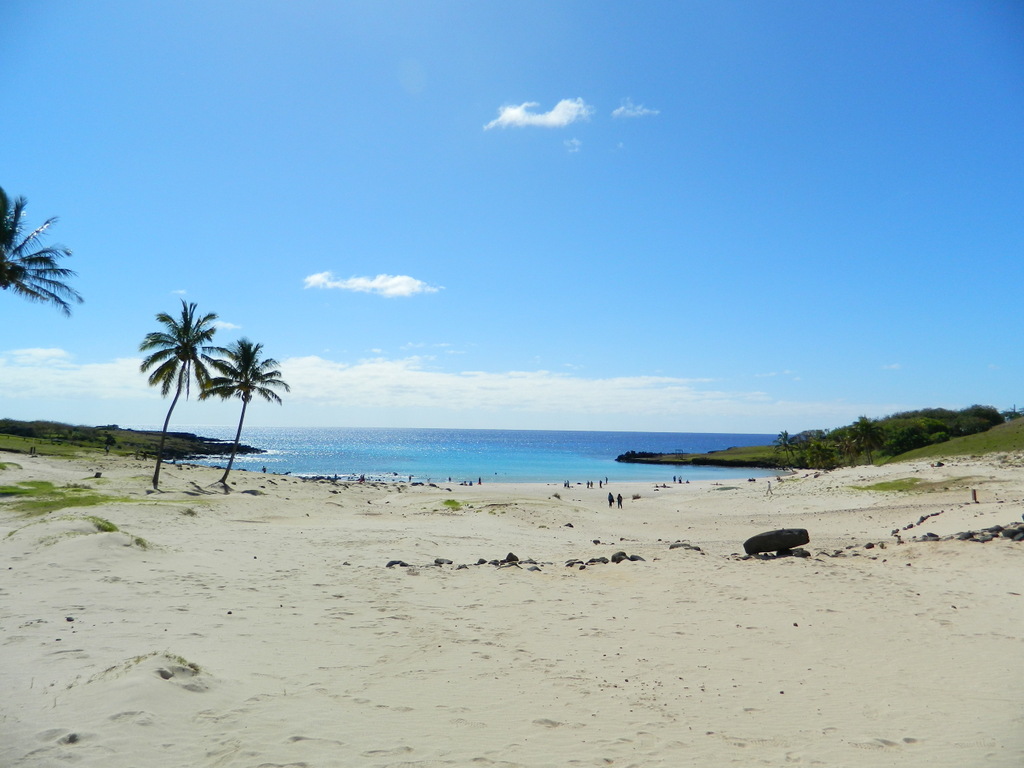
(673, 216)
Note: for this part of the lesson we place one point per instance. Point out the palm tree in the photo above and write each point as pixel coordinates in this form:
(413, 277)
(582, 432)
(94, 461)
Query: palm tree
(26, 266)
(180, 353)
(244, 375)
(785, 443)
(867, 435)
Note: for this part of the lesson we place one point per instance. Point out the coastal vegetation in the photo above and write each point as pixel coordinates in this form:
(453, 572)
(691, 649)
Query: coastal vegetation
(183, 352)
(925, 433)
(179, 353)
(243, 374)
(27, 267)
(53, 438)
(38, 497)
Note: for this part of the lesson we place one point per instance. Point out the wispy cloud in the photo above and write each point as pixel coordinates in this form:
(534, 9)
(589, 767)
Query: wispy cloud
(892, 367)
(413, 382)
(573, 145)
(389, 286)
(40, 356)
(629, 109)
(53, 373)
(224, 325)
(565, 112)
(418, 387)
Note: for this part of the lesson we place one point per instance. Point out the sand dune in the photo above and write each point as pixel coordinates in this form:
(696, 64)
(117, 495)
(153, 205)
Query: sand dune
(262, 627)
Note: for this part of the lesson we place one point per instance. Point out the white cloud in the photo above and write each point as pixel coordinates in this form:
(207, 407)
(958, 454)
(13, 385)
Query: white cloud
(565, 112)
(573, 145)
(892, 367)
(388, 286)
(223, 325)
(415, 391)
(39, 356)
(412, 383)
(52, 373)
(629, 109)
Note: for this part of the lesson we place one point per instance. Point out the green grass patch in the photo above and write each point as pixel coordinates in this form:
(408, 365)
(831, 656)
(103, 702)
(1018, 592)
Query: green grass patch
(452, 504)
(900, 484)
(103, 526)
(26, 488)
(38, 497)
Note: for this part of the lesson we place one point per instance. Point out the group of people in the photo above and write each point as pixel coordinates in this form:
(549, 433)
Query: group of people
(612, 499)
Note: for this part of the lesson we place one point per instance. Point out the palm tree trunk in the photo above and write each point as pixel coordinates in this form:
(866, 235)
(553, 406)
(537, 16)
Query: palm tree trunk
(163, 437)
(234, 448)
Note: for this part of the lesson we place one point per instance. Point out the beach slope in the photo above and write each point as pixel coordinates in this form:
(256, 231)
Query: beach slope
(264, 626)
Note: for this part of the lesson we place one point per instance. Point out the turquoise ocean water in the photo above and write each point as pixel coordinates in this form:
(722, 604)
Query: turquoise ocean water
(493, 455)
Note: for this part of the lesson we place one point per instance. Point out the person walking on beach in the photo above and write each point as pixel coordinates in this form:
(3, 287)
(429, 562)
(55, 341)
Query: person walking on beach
(619, 499)
(611, 500)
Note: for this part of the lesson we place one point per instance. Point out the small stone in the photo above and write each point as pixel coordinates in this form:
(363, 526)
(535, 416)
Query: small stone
(618, 557)
(511, 558)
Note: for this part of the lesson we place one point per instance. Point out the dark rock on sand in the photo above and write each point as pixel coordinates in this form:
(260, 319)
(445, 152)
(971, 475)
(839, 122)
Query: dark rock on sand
(776, 541)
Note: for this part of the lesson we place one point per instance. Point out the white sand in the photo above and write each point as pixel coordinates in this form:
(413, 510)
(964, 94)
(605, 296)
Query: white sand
(310, 652)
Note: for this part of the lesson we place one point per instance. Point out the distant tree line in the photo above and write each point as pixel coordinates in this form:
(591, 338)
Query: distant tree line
(867, 439)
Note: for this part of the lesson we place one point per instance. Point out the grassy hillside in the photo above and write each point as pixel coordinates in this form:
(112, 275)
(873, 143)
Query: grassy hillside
(1004, 438)
(764, 456)
(55, 439)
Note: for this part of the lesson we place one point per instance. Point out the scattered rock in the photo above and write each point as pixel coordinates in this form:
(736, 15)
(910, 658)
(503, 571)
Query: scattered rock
(685, 545)
(1013, 532)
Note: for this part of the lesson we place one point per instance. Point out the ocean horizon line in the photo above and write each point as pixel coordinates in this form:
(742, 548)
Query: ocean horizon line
(426, 454)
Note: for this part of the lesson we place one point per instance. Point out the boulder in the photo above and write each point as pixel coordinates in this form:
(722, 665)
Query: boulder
(776, 541)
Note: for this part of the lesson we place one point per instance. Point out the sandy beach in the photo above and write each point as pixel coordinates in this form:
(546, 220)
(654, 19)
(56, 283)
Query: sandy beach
(263, 627)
